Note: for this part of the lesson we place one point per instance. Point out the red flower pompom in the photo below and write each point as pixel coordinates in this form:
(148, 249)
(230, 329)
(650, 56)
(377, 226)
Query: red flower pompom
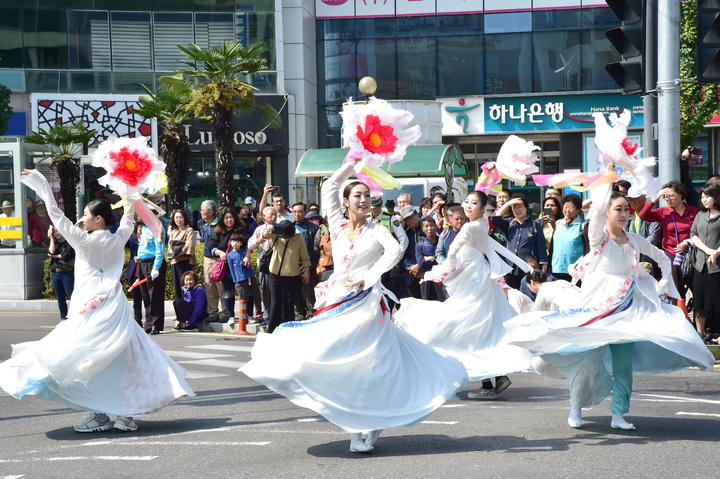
(377, 138)
(131, 166)
(629, 149)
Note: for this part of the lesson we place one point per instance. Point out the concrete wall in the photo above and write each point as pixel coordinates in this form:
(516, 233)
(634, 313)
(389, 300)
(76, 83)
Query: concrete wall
(21, 274)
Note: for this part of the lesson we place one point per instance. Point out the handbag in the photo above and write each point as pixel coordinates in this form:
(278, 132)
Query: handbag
(686, 267)
(679, 255)
(219, 269)
(264, 261)
(176, 247)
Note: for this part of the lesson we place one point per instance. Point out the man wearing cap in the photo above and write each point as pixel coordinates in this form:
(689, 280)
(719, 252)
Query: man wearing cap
(8, 209)
(305, 296)
(405, 276)
(650, 230)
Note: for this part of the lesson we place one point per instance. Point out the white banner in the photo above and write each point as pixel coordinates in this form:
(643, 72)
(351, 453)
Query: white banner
(374, 8)
(415, 7)
(449, 7)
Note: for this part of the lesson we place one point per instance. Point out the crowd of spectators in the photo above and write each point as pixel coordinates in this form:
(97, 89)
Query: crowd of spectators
(294, 251)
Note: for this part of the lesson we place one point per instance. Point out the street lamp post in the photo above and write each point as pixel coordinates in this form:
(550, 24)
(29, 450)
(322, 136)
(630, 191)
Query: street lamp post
(367, 86)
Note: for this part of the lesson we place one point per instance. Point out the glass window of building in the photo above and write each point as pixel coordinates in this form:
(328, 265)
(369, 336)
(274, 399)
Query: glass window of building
(169, 31)
(557, 58)
(508, 60)
(508, 22)
(11, 47)
(131, 40)
(556, 20)
(597, 51)
(380, 57)
(213, 29)
(89, 39)
(453, 25)
(460, 65)
(417, 71)
(45, 38)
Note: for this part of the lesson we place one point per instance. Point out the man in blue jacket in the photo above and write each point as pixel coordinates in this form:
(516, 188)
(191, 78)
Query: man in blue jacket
(151, 254)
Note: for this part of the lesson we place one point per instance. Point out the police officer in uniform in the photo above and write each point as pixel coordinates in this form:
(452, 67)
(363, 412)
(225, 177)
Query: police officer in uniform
(392, 223)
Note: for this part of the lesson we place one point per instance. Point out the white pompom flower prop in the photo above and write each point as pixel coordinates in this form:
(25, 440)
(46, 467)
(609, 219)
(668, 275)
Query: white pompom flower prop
(132, 166)
(377, 134)
(515, 161)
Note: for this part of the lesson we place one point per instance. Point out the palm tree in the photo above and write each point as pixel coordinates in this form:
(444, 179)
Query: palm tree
(220, 90)
(169, 106)
(65, 145)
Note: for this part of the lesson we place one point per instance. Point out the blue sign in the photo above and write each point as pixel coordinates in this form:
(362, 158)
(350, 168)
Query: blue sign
(17, 125)
(556, 112)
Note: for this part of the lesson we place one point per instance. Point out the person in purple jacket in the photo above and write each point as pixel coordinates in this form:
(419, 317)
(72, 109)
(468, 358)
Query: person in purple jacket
(191, 309)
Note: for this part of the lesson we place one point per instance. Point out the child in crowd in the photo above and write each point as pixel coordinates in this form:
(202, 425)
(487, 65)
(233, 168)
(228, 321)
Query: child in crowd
(242, 274)
(191, 309)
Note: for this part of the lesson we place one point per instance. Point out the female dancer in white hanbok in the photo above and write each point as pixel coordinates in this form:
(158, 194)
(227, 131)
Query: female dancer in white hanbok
(99, 360)
(350, 363)
(618, 324)
(469, 325)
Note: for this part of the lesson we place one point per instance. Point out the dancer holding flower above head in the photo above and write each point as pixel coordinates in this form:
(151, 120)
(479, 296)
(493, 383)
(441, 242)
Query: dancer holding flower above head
(99, 360)
(350, 363)
(621, 322)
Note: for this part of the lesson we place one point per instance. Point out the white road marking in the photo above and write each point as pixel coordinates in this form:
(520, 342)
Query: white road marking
(439, 422)
(696, 414)
(194, 355)
(452, 405)
(81, 458)
(309, 419)
(203, 375)
(224, 347)
(677, 398)
(222, 363)
(129, 442)
(12, 477)
(561, 396)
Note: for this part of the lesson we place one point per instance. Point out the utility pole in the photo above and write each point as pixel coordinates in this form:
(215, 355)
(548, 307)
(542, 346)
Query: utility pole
(668, 88)
(650, 104)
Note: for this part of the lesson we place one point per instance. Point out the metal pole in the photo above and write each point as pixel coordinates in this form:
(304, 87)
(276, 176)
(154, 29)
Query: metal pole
(669, 90)
(650, 146)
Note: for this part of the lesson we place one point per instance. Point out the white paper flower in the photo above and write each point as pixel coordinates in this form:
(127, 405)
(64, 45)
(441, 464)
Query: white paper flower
(132, 166)
(376, 132)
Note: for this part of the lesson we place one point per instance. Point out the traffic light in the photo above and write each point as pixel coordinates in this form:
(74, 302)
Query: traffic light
(708, 40)
(629, 39)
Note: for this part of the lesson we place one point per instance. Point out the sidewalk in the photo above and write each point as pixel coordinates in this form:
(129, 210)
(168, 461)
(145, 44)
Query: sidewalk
(50, 305)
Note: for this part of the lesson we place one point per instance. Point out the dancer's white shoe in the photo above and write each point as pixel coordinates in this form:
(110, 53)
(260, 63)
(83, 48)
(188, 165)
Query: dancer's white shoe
(372, 437)
(357, 444)
(575, 418)
(619, 422)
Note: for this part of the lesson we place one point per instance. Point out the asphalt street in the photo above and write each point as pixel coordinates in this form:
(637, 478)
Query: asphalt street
(235, 427)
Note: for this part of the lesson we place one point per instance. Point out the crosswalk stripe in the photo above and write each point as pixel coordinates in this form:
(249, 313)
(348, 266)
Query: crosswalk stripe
(221, 363)
(223, 347)
(194, 355)
(191, 374)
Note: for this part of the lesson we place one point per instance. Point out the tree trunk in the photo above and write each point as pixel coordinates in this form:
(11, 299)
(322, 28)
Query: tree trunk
(224, 167)
(175, 151)
(68, 171)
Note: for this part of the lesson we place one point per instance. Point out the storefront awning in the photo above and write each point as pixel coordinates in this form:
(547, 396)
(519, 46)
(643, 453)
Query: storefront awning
(424, 160)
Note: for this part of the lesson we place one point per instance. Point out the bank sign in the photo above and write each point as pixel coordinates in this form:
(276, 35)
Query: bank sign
(533, 114)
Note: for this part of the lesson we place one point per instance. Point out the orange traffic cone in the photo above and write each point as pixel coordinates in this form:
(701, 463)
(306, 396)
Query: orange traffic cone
(681, 304)
(242, 318)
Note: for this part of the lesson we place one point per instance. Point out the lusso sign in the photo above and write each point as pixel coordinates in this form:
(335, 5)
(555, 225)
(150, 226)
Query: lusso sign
(249, 132)
(239, 137)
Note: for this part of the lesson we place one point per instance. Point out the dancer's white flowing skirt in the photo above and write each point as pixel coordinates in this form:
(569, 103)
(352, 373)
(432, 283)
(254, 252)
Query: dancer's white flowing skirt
(98, 360)
(469, 325)
(575, 339)
(353, 366)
